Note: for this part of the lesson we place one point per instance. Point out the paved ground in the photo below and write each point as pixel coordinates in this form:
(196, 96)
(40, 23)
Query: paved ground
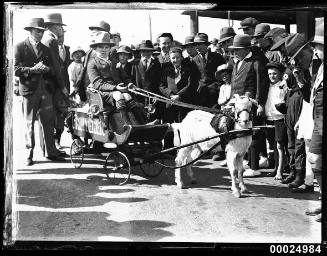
(58, 202)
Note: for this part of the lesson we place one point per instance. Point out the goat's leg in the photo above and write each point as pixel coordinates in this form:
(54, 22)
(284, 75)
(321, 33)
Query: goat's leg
(231, 157)
(240, 174)
(179, 160)
(191, 174)
(193, 155)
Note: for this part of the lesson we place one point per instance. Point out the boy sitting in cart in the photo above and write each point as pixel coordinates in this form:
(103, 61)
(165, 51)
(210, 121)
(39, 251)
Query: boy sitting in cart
(104, 78)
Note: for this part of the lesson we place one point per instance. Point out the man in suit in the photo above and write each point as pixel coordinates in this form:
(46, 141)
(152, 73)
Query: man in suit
(207, 63)
(54, 30)
(226, 37)
(178, 83)
(34, 66)
(64, 61)
(165, 42)
(146, 74)
(250, 77)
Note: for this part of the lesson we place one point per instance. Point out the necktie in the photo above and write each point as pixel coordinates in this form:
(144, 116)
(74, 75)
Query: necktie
(62, 52)
(146, 64)
(38, 49)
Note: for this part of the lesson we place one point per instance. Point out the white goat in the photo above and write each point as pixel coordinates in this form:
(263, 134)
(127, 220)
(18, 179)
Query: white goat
(197, 126)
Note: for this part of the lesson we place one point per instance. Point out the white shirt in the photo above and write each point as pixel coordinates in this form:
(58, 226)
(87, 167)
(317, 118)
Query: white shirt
(74, 70)
(275, 96)
(224, 93)
(147, 63)
(241, 61)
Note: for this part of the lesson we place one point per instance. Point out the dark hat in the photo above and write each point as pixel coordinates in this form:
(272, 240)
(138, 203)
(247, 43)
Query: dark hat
(226, 33)
(249, 22)
(54, 18)
(214, 41)
(224, 67)
(201, 38)
(101, 37)
(277, 65)
(76, 49)
(294, 44)
(319, 34)
(124, 49)
(146, 45)
(241, 41)
(101, 25)
(37, 23)
(276, 34)
(261, 29)
(165, 34)
(115, 33)
(188, 40)
(279, 43)
(157, 50)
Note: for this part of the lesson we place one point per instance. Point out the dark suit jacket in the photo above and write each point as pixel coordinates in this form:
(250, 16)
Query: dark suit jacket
(103, 76)
(147, 79)
(64, 66)
(25, 58)
(208, 71)
(251, 79)
(51, 42)
(185, 86)
(125, 74)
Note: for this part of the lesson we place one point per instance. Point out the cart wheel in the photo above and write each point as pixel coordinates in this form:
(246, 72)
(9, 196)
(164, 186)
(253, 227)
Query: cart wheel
(152, 169)
(117, 167)
(77, 153)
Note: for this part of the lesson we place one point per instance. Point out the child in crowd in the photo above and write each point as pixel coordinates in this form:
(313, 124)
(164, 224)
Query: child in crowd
(276, 95)
(124, 54)
(224, 74)
(74, 70)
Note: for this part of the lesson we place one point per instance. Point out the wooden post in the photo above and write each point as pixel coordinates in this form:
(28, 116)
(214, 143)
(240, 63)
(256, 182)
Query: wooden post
(194, 19)
(305, 22)
(288, 27)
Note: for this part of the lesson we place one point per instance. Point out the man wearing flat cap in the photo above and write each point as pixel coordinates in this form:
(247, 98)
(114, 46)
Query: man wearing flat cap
(250, 78)
(207, 63)
(34, 66)
(271, 38)
(248, 25)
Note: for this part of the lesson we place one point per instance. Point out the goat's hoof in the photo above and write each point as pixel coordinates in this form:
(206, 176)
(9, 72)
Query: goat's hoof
(244, 190)
(237, 194)
(193, 181)
(180, 185)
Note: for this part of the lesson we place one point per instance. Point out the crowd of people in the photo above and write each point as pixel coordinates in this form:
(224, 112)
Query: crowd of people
(283, 72)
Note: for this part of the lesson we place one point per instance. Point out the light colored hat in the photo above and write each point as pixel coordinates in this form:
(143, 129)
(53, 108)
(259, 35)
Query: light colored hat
(124, 49)
(37, 23)
(54, 18)
(76, 49)
(101, 38)
(201, 38)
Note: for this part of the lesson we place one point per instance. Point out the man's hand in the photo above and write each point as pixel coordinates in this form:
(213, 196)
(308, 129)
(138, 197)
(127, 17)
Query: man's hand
(121, 87)
(299, 76)
(260, 111)
(65, 91)
(174, 97)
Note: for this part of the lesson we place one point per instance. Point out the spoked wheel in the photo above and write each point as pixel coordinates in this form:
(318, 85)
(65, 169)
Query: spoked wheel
(77, 153)
(152, 169)
(117, 167)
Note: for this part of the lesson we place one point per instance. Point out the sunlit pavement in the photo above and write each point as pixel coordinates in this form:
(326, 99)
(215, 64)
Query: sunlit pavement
(55, 201)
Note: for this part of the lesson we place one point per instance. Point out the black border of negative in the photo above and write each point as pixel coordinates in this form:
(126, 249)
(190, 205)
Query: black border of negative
(26, 247)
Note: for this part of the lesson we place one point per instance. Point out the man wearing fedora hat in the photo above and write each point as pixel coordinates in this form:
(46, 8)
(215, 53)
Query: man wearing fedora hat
(271, 38)
(207, 63)
(248, 25)
(33, 65)
(226, 37)
(298, 78)
(146, 74)
(100, 26)
(250, 78)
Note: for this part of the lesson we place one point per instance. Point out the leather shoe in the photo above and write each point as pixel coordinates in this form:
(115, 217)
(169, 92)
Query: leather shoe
(295, 184)
(313, 212)
(272, 174)
(303, 189)
(288, 179)
(56, 158)
(62, 153)
(29, 162)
